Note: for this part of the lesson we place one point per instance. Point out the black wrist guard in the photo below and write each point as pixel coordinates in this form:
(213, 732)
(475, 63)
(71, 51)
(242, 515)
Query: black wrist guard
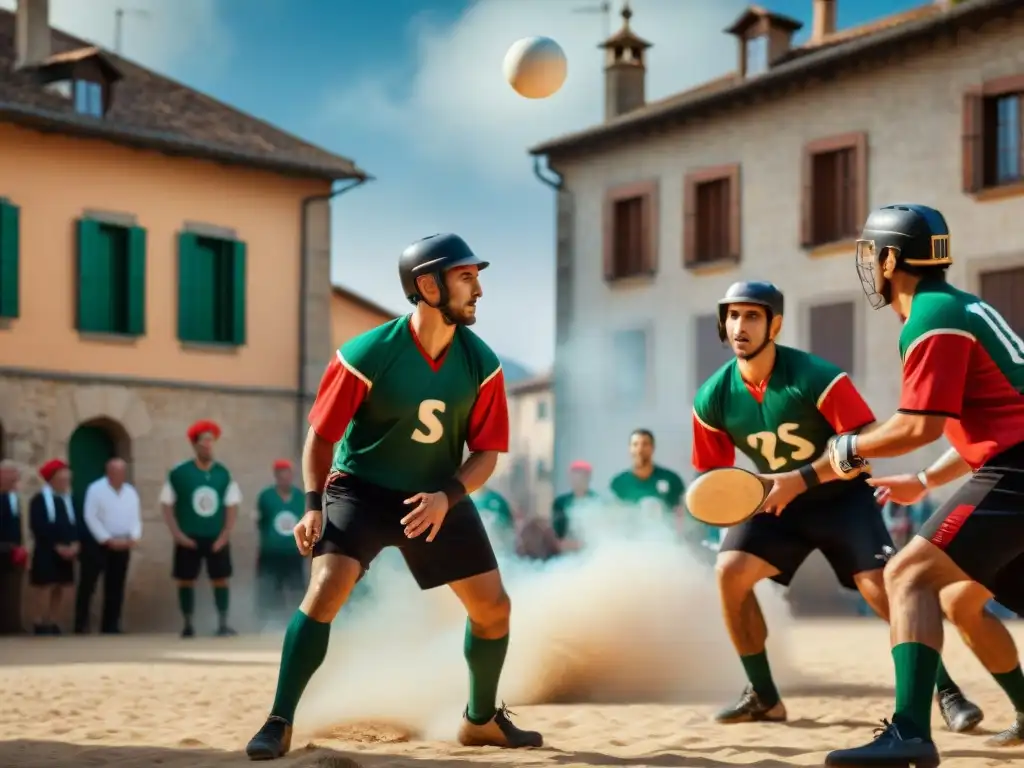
(810, 477)
(455, 491)
(314, 501)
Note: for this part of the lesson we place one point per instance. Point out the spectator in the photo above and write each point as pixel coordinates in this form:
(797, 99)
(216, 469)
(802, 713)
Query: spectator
(55, 545)
(13, 556)
(280, 569)
(496, 514)
(114, 519)
(580, 473)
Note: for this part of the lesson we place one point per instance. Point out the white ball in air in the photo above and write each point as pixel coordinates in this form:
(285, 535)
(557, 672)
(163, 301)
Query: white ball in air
(535, 67)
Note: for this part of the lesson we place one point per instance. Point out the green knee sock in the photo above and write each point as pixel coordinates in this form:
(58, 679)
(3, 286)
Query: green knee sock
(759, 673)
(943, 682)
(187, 602)
(485, 659)
(305, 646)
(222, 599)
(1012, 683)
(916, 666)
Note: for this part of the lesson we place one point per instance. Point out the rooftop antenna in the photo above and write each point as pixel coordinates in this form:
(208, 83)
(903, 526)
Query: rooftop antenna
(119, 15)
(604, 8)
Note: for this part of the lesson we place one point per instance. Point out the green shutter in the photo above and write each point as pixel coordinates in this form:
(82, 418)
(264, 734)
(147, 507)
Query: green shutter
(191, 313)
(136, 282)
(94, 281)
(9, 255)
(238, 293)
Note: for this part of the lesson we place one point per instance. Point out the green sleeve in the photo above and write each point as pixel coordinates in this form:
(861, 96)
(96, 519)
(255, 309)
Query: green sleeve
(361, 355)
(930, 313)
(486, 360)
(706, 403)
(614, 486)
(818, 377)
(678, 489)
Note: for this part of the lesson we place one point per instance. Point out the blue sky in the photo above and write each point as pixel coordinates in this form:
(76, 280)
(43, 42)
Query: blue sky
(412, 91)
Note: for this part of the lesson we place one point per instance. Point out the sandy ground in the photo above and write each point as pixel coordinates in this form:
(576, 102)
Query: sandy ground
(628, 639)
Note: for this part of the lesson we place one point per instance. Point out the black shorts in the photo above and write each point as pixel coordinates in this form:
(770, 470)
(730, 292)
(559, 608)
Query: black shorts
(188, 562)
(841, 519)
(361, 519)
(48, 569)
(981, 527)
(281, 570)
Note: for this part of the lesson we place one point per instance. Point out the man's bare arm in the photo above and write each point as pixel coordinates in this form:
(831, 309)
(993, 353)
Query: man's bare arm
(317, 456)
(477, 470)
(948, 467)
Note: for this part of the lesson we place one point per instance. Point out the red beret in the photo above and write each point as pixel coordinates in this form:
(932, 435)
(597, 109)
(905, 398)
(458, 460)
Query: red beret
(51, 468)
(282, 464)
(202, 427)
(580, 466)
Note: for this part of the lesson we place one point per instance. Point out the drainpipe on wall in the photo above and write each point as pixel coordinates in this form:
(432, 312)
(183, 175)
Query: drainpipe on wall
(555, 181)
(300, 409)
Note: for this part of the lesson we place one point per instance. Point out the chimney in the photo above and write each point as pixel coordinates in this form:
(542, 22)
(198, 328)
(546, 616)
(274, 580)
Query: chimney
(625, 72)
(824, 21)
(32, 33)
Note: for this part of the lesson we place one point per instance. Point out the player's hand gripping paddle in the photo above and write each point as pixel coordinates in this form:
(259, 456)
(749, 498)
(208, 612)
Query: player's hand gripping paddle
(726, 496)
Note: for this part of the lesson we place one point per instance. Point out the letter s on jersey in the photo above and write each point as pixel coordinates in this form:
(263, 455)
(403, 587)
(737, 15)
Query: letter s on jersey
(428, 418)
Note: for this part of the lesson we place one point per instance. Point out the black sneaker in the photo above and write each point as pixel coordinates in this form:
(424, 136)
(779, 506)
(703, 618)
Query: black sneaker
(188, 631)
(750, 709)
(1011, 737)
(272, 741)
(225, 631)
(888, 749)
(959, 714)
(497, 732)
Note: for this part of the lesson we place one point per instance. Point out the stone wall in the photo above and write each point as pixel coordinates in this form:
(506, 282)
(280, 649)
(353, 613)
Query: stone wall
(39, 415)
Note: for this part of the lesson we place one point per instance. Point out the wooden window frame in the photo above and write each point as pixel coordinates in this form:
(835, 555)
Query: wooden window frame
(974, 132)
(648, 191)
(730, 173)
(856, 141)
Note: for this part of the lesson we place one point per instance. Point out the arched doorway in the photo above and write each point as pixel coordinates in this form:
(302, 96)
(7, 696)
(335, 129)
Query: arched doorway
(91, 446)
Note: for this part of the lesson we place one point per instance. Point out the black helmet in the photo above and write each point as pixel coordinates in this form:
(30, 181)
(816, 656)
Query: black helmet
(751, 292)
(918, 235)
(434, 255)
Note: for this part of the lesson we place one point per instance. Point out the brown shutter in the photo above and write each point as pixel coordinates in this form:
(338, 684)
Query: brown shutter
(807, 199)
(861, 182)
(735, 215)
(973, 142)
(689, 220)
(608, 238)
(650, 231)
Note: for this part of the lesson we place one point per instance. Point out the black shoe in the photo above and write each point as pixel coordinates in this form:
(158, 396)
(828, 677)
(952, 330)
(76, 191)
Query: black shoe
(749, 709)
(54, 630)
(497, 732)
(226, 631)
(188, 631)
(960, 714)
(1011, 737)
(888, 749)
(272, 741)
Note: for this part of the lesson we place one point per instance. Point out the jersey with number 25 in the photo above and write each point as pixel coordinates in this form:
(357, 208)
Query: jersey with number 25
(401, 420)
(962, 360)
(781, 424)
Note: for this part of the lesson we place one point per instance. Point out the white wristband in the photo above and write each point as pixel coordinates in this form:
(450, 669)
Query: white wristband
(922, 478)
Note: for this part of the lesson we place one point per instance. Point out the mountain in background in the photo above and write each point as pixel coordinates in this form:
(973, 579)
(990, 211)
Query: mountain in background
(514, 371)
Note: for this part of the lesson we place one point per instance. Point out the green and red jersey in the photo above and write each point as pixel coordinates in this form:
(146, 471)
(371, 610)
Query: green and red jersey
(962, 360)
(781, 424)
(402, 420)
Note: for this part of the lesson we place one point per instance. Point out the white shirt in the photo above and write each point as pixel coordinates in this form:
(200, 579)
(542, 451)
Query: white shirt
(112, 514)
(232, 496)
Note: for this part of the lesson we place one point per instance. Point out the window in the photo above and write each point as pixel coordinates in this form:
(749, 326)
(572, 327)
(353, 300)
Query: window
(211, 289)
(712, 226)
(542, 410)
(630, 243)
(834, 189)
(543, 473)
(9, 256)
(993, 149)
(88, 98)
(1002, 290)
(111, 278)
(757, 55)
(833, 333)
(712, 353)
(629, 364)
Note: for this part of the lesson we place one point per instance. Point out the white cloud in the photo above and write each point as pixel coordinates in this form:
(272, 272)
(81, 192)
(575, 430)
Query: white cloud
(164, 35)
(458, 107)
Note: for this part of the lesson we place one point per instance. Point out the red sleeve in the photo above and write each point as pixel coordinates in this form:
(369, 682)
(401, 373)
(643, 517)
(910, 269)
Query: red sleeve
(341, 392)
(488, 422)
(712, 448)
(843, 407)
(935, 374)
